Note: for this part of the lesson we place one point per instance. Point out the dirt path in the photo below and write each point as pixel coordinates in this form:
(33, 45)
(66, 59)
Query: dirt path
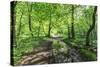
(38, 58)
(43, 55)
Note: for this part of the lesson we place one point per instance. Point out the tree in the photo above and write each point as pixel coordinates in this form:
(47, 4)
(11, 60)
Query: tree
(49, 30)
(69, 32)
(72, 24)
(91, 27)
(29, 16)
(39, 28)
(19, 30)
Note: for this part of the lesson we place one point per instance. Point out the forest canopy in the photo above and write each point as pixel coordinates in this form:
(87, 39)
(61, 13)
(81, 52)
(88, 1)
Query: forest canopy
(41, 14)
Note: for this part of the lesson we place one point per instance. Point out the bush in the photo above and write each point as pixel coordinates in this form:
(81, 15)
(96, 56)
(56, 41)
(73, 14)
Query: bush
(89, 55)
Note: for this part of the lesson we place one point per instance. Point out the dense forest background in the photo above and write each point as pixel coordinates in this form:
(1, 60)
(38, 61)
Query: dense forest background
(61, 29)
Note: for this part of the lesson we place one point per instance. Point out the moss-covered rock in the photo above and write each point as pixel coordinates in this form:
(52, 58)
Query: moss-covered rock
(59, 47)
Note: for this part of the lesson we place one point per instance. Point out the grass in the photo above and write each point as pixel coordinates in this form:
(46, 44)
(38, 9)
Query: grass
(88, 54)
(24, 45)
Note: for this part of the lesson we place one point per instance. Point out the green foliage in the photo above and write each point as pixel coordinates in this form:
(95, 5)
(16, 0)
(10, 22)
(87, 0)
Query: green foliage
(25, 45)
(88, 54)
(60, 17)
(57, 45)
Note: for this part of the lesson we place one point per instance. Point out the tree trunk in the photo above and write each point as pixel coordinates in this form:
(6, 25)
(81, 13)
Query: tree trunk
(30, 10)
(19, 29)
(69, 32)
(72, 24)
(39, 28)
(49, 25)
(43, 28)
(91, 28)
(20, 25)
(13, 35)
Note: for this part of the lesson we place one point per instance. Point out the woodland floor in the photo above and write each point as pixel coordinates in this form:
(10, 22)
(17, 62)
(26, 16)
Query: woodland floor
(43, 54)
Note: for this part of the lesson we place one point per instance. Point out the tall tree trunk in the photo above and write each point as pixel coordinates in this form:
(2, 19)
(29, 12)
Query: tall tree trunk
(13, 35)
(69, 32)
(49, 25)
(19, 28)
(91, 28)
(43, 28)
(30, 10)
(39, 28)
(72, 24)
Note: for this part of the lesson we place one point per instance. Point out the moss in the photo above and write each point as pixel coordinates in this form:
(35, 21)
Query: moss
(60, 47)
(89, 55)
(57, 45)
